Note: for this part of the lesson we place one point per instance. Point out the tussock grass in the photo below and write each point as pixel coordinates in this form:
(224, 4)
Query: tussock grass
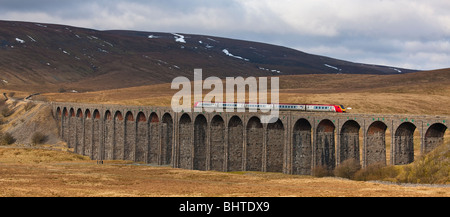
(432, 168)
(32, 155)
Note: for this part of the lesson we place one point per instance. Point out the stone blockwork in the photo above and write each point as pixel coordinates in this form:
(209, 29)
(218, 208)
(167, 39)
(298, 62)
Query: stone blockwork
(235, 141)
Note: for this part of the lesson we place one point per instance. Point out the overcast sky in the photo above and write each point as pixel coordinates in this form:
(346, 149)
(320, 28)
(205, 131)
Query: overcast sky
(402, 33)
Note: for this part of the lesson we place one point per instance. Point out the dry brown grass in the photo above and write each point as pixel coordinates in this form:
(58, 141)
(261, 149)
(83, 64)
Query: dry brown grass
(44, 173)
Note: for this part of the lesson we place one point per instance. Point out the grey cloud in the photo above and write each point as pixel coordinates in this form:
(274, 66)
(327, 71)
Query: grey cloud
(411, 33)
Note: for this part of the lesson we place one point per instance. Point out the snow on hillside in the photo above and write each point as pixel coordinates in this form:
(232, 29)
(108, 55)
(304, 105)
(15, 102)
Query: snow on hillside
(20, 40)
(333, 67)
(397, 70)
(225, 51)
(32, 39)
(179, 38)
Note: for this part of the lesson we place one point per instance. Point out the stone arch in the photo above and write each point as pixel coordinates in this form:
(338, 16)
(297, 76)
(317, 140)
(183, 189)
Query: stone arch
(72, 112)
(404, 144)
(185, 142)
(302, 147)
(166, 139)
(325, 145)
(275, 147)
(72, 129)
(65, 112)
(96, 114)
(119, 136)
(141, 137)
(254, 146)
(349, 141)
(58, 113)
(107, 115)
(154, 143)
(109, 136)
(235, 144)
(87, 114)
(217, 158)
(130, 137)
(79, 113)
(200, 137)
(65, 125)
(88, 133)
(96, 137)
(79, 140)
(434, 137)
(375, 150)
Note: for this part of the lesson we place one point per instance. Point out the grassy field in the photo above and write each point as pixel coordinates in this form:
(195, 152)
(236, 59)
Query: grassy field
(27, 172)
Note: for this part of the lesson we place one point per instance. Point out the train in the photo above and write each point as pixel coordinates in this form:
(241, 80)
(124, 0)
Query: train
(282, 107)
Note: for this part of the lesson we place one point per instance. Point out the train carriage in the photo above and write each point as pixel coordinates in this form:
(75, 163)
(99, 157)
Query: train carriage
(266, 107)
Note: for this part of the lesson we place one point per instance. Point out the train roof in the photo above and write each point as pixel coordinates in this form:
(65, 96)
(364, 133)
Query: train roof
(272, 103)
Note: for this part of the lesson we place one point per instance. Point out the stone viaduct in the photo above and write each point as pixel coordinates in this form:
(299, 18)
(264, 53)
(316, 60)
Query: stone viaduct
(232, 141)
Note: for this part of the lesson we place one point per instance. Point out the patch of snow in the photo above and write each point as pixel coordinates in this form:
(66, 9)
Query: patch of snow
(209, 46)
(397, 70)
(176, 66)
(65, 51)
(77, 36)
(212, 40)
(32, 39)
(5, 81)
(271, 70)
(162, 62)
(37, 24)
(200, 42)
(154, 36)
(333, 67)
(20, 40)
(225, 51)
(110, 44)
(179, 38)
(101, 50)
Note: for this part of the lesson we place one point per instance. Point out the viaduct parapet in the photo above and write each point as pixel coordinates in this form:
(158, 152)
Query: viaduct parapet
(237, 141)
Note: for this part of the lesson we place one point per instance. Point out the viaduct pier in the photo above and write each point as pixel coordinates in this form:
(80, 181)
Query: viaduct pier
(296, 143)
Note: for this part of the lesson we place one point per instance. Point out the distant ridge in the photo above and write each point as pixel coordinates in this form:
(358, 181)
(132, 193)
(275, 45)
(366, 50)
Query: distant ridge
(49, 56)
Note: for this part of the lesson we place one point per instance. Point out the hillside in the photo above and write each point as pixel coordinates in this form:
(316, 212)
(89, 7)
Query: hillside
(48, 57)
